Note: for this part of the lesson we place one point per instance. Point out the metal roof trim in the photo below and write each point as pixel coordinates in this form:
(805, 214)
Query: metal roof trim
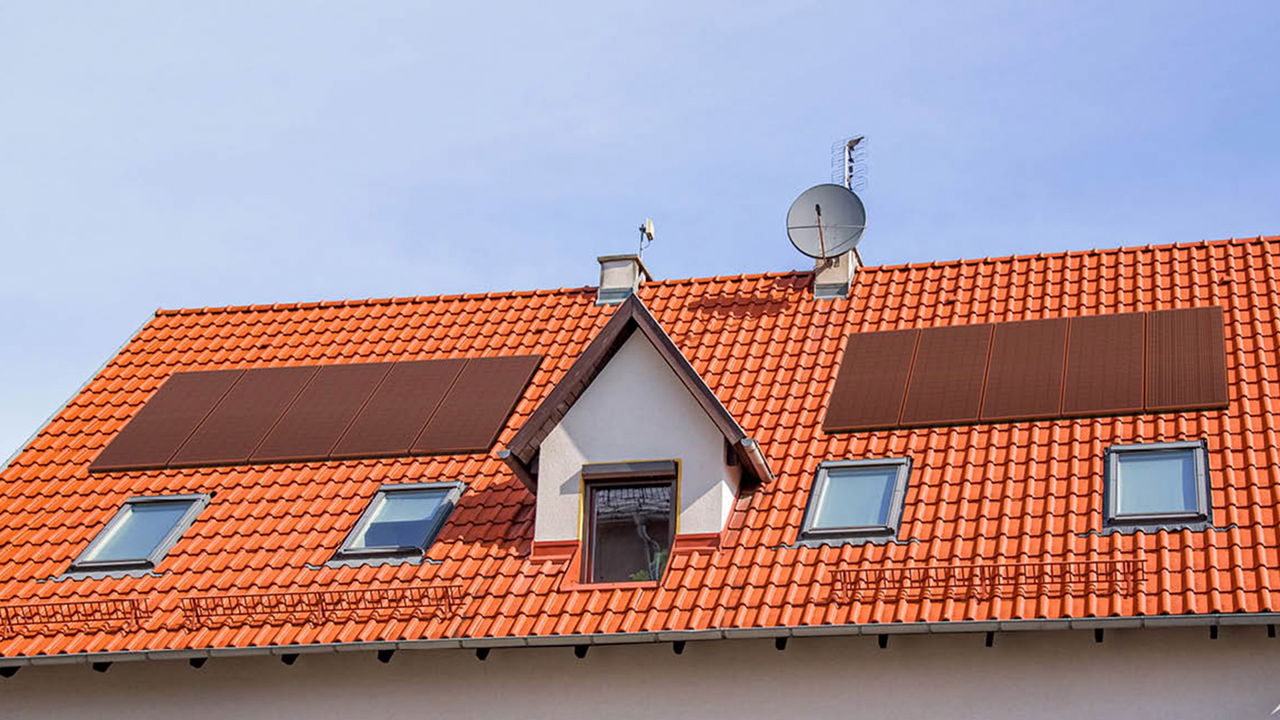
(923, 628)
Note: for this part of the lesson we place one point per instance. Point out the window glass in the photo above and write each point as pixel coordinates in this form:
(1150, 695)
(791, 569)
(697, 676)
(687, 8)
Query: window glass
(857, 496)
(1153, 482)
(400, 519)
(631, 531)
(138, 531)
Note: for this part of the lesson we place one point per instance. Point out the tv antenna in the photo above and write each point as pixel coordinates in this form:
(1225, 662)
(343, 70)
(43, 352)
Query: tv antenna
(849, 163)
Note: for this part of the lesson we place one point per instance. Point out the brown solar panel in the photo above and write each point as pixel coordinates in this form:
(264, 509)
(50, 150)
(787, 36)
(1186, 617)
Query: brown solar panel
(477, 406)
(327, 405)
(873, 378)
(244, 416)
(1186, 359)
(399, 409)
(947, 376)
(169, 416)
(1024, 377)
(1104, 365)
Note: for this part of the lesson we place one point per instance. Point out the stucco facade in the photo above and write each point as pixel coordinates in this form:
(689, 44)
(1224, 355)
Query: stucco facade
(636, 409)
(1168, 673)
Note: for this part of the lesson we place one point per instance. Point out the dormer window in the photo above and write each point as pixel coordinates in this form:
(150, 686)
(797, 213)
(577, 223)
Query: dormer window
(630, 520)
(402, 520)
(1165, 483)
(857, 499)
(140, 535)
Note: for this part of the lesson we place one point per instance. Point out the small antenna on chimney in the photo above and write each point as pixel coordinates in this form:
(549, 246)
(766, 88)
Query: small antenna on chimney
(646, 235)
(849, 163)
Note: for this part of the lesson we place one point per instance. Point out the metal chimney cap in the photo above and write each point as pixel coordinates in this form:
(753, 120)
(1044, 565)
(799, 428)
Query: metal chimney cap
(644, 271)
(620, 276)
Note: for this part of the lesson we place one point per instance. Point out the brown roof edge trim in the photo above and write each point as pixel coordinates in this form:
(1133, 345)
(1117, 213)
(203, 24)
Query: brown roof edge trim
(630, 317)
(599, 351)
(520, 469)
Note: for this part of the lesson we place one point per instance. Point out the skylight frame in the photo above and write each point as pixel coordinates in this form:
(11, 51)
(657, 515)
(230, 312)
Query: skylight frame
(451, 492)
(893, 519)
(196, 503)
(1181, 518)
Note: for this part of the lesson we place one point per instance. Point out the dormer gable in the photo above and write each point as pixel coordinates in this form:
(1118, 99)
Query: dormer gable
(633, 398)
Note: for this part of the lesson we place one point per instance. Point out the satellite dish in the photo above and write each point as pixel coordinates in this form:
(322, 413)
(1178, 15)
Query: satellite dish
(826, 221)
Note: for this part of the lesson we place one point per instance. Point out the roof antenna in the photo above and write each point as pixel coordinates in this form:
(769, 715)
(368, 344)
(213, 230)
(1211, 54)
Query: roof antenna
(827, 221)
(849, 163)
(646, 236)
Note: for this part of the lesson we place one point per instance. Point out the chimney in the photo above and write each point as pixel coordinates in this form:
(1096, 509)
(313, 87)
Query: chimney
(620, 275)
(833, 277)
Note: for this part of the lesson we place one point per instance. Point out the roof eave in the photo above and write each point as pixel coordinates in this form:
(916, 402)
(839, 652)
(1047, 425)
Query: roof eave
(1147, 622)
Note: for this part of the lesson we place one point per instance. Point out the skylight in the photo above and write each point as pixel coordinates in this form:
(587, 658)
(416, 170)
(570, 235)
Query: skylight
(142, 532)
(401, 520)
(857, 498)
(1165, 482)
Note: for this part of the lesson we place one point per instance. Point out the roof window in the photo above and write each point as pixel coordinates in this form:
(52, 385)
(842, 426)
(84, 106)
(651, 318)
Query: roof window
(141, 533)
(857, 498)
(1160, 483)
(401, 520)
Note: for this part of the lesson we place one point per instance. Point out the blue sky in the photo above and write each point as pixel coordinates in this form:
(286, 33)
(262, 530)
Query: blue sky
(188, 154)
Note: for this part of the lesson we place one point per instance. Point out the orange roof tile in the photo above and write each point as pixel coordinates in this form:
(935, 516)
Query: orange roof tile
(1019, 494)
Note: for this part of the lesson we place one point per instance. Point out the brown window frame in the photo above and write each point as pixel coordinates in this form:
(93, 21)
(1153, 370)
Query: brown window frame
(648, 473)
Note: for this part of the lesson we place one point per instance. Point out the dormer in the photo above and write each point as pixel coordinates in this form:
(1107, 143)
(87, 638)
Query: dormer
(630, 454)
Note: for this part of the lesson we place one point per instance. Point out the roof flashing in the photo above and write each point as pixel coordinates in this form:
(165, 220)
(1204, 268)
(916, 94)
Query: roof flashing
(1192, 485)
(396, 515)
(881, 522)
(140, 534)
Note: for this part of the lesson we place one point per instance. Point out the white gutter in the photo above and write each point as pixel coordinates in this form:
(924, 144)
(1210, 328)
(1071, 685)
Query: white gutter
(665, 636)
(755, 458)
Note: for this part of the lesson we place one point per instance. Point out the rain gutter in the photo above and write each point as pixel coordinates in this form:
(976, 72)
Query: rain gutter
(666, 636)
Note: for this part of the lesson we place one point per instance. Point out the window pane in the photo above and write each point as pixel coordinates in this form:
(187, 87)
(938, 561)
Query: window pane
(631, 537)
(400, 519)
(856, 497)
(139, 532)
(1156, 481)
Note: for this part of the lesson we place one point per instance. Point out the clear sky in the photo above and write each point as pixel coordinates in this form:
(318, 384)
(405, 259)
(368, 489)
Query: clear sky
(186, 154)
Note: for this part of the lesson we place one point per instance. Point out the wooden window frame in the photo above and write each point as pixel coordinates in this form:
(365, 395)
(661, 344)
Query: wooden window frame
(647, 473)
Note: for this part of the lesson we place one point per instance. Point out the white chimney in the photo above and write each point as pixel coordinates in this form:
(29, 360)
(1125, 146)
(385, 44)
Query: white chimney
(620, 275)
(833, 277)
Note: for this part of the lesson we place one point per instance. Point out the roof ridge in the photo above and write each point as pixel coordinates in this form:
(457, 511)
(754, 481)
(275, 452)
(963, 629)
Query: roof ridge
(394, 300)
(1253, 239)
(493, 295)
(667, 282)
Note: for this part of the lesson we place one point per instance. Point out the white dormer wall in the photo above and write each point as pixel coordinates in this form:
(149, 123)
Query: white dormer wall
(635, 409)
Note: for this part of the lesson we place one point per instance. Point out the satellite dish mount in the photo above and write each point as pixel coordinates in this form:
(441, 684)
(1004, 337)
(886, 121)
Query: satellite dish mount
(827, 221)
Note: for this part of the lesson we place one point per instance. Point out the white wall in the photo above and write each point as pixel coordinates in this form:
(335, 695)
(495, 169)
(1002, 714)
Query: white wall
(637, 409)
(1059, 674)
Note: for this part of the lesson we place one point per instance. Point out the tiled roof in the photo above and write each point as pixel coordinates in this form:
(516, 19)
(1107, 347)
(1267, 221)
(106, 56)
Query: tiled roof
(1005, 493)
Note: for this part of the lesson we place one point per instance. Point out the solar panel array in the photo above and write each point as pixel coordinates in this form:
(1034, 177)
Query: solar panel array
(295, 414)
(1063, 367)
